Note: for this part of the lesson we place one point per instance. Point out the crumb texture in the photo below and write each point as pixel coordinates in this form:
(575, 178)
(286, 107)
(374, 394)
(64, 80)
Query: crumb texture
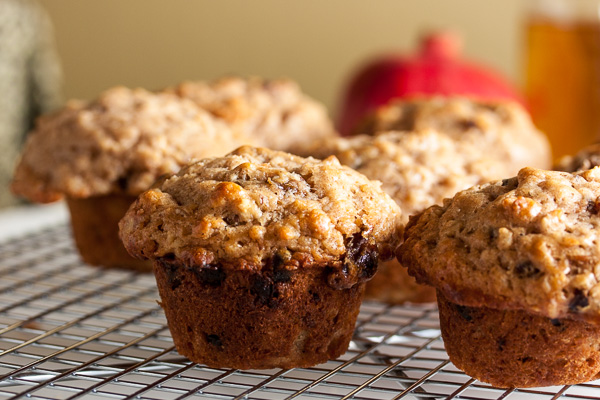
(255, 204)
(502, 130)
(119, 143)
(417, 168)
(275, 113)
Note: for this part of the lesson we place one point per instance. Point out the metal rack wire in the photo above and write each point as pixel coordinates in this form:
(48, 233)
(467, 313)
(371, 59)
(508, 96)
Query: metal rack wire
(71, 331)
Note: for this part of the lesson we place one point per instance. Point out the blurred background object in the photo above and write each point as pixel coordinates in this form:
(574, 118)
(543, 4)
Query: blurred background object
(152, 44)
(30, 79)
(436, 69)
(563, 71)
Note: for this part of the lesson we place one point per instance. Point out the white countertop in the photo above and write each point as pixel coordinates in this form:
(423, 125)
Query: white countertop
(19, 221)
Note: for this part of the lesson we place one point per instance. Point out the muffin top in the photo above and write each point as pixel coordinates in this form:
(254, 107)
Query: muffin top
(120, 143)
(255, 205)
(587, 158)
(417, 169)
(274, 112)
(529, 243)
(502, 130)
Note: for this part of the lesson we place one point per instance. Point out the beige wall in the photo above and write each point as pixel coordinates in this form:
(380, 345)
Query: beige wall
(154, 43)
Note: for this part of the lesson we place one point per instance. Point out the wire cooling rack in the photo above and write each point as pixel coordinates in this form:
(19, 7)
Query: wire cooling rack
(70, 331)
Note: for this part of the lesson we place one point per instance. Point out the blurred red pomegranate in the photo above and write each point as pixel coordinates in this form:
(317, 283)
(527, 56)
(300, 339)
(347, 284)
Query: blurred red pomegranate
(437, 69)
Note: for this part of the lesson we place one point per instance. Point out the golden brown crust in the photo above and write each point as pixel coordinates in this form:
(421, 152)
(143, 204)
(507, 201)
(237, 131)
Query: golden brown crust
(501, 130)
(120, 143)
(256, 319)
(527, 243)
(95, 223)
(417, 169)
(245, 207)
(518, 349)
(275, 113)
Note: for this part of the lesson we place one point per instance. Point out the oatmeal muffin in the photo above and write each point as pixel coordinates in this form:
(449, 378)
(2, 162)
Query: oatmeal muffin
(502, 130)
(515, 264)
(101, 155)
(274, 112)
(261, 257)
(587, 158)
(417, 169)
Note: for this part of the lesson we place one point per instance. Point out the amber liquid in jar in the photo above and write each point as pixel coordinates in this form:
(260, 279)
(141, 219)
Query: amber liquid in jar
(563, 81)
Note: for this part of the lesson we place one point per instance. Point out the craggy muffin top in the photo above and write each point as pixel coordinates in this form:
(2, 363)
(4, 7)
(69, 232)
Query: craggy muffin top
(255, 204)
(417, 169)
(587, 158)
(120, 143)
(274, 112)
(502, 130)
(530, 243)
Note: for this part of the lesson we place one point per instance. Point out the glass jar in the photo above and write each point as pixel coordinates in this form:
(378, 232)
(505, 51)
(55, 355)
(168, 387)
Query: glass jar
(563, 71)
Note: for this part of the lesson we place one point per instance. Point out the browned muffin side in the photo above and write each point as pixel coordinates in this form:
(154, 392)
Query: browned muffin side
(515, 348)
(95, 229)
(517, 251)
(247, 320)
(261, 257)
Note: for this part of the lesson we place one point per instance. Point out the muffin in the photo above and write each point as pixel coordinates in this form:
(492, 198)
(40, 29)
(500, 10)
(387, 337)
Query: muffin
(261, 257)
(101, 155)
(502, 130)
(586, 158)
(515, 265)
(417, 169)
(273, 112)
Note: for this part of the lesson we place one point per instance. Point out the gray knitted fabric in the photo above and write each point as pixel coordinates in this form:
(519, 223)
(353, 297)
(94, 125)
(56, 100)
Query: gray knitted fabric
(30, 80)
